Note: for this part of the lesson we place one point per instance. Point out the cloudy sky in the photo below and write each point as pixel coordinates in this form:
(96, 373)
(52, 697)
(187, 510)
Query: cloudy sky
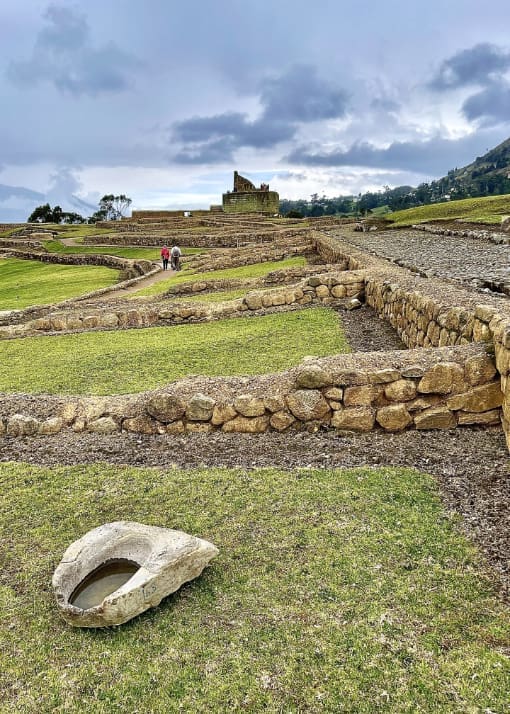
(163, 99)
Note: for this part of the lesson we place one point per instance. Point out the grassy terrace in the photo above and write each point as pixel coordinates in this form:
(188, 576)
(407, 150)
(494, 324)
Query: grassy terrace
(138, 360)
(477, 210)
(257, 270)
(28, 282)
(333, 591)
(56, 246)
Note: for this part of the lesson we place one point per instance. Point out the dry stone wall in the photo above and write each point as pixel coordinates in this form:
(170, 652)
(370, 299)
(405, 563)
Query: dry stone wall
(412, 389)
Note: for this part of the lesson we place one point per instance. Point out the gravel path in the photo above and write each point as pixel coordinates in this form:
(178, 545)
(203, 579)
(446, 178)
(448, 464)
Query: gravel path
(472, 261)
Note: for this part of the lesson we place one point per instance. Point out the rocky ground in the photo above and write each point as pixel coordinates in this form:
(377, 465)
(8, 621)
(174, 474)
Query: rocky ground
(474, 262)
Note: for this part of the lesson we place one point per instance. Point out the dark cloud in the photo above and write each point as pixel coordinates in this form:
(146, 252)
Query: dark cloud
(478, 65)
(491, 105)
(298, 96)
(64, 55)
(212, 152)
(301, 96)
(432, 157)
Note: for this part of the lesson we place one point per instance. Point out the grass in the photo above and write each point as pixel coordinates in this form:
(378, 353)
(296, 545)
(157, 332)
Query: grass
(334, 591)
(257, 270)
(488, 209)
(138, 360)
(27, 282)
(133, 252)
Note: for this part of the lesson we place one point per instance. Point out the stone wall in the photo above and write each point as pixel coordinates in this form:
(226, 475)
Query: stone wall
(436, 389)
(490, 235)
(251, 202)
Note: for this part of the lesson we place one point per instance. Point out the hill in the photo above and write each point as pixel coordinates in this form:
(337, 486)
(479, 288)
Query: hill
(486, 210)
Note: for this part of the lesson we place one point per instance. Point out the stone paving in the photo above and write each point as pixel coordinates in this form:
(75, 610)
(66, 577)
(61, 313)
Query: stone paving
(475, 262)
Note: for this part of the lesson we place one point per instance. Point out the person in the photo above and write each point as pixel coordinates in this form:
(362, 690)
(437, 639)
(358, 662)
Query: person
(165, 255)
(175, 258)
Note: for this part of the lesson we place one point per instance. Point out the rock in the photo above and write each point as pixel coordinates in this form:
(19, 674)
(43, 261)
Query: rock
(443, 378)
(307, 404)
(200, 407)
(166, 407)
(479, 369)
(478, 399)
(353, 304)
(222, 413)
(281, 420)
(400, 391)
(363, 395)
(489, 418)
(51, 426)
(394, 417)
(322, 291)
(334, 393)
(274, 402)
(175, 427)
(414, 370)
(339, 291)
(199, 427)
(162, 560)
(311, 376)
(21, 425)
(253, 300)
(103, 425)
(250, 406)
(435, 418)
(354, 419)
(246, 425)
(140, 425)
(382, 376)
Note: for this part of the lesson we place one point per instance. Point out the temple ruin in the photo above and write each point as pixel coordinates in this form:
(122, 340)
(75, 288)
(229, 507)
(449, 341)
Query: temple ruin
(246, 198)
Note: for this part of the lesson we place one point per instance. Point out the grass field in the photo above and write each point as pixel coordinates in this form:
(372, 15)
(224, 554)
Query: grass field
(257, 270)
(219, 296)
(478, 210)
(133, 253)
(138, 360)
(29, 282)
(334, 591)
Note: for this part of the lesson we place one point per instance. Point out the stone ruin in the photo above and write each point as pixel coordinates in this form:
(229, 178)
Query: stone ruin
(246, 198)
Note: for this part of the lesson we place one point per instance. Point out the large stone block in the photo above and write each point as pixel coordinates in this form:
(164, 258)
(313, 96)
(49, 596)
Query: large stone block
(246, 425)
(400, 391)
(479, 399)
(21, 425)
(248, 405)
(312, 376)
(307, 404)
(281, 420)
(200, 407)
(442, 378)
(166, 407)
(435, 418)
(354, 419)
(364, 395)
(394, 417)
(479, 369)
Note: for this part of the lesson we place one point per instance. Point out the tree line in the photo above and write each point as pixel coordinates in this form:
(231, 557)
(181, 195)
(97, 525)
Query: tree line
(111, 208)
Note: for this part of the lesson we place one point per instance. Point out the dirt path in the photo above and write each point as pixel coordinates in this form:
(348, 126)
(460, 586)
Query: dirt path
(145, 283)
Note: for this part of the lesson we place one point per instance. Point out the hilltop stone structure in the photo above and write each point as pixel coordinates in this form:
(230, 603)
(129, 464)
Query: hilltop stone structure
(246, 198)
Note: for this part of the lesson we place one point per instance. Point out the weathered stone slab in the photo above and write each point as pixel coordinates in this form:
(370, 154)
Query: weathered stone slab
(307, 404)
(479, 399)
(21, 425)
(166, 407)
(311, 376)
(443, 378)
(166, 559)
(248, 405)
(246, 425)
(200, 407)
(354, 419)
(394, 417)
(435, 418)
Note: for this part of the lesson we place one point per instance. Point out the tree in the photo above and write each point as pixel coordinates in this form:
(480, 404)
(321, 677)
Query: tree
(41, 214)
(113, 207)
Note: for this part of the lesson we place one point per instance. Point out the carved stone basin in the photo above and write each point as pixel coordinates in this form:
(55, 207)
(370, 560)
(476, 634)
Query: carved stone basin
(121, 569)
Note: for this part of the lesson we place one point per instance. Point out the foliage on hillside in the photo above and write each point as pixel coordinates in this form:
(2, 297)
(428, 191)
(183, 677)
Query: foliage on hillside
(476, 210)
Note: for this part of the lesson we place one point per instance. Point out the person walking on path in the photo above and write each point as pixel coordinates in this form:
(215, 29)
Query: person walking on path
(175, 262)
(165, 255)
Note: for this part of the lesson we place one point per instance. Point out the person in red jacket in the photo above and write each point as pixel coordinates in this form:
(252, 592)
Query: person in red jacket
(165, 255)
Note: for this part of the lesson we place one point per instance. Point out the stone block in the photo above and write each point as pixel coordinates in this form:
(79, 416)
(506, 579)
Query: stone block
(479, 399)
(311, 376)
(362, 396)
(248, 405)
(339, 291)
(50, 426)
(435, 418)
(274, 402)
(307, 404)
(200, 427)
(402, 390)
(175, 427)
(394, 417)
(222, 413)
(281, 420)
(322, 291)
(354, 419)
(200, 407)
(103, 425)
(334, 393)
(246, 425)
(21, 425)
(443, 378)
(166, 407)
(140, 425)
(479, 369)
(382, 376)
(488, 418)
(253, 301)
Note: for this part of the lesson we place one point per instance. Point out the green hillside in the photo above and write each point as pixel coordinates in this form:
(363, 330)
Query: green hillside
(489, 210)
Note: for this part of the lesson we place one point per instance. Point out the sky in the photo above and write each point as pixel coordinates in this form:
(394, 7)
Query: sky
(162, 100)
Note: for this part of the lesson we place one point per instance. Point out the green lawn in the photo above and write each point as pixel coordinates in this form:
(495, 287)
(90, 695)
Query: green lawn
(30, 282)
(219, 296)
(137, 360)
(257, 270)
(334, 591)
(133, 252)
(479, 210)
